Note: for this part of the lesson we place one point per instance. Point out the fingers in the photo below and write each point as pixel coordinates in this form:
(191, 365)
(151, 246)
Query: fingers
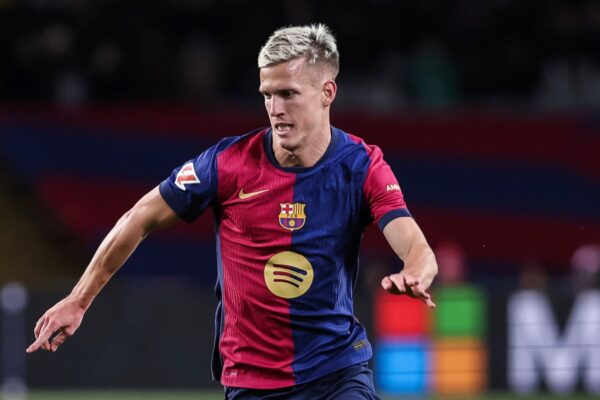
(409, 280)
(387, 283)
(33, 347)
(58, 340)
(398, 283)
(39, 325)
(44, 333)
(394, 284)
(46, 342)
(41, 341)
(423, 295)
(38, 343)
(403, 283)
(429, 303)
(56, 325)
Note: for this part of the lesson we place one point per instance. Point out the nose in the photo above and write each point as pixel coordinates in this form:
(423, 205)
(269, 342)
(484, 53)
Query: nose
(275, 106)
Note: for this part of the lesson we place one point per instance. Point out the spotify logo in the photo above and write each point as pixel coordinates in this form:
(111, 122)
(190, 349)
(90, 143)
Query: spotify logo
(288, 274)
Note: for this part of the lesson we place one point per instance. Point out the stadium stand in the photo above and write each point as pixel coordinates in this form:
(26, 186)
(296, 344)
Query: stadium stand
(34, 245)
(514, 179)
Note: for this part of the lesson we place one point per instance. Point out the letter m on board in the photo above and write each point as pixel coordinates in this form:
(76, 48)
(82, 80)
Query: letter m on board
(537, 349)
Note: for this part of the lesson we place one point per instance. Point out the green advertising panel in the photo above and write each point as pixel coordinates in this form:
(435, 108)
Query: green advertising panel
(461, 312)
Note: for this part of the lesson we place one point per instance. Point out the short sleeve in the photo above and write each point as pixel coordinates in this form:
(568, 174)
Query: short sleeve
(382, 191)
(192, 187)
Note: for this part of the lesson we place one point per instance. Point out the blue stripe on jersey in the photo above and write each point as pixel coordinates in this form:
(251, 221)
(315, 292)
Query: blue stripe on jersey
(333, 197)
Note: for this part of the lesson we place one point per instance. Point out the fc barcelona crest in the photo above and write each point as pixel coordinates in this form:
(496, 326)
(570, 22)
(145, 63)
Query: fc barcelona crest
(291, 216)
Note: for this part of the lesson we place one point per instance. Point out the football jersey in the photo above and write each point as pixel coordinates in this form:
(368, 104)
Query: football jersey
(287, 252)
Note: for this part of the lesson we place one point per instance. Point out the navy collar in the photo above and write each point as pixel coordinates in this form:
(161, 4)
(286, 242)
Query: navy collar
(268, 146)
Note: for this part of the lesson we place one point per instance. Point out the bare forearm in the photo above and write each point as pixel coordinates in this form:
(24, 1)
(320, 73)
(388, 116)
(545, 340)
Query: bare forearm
(112, 253)
(63, 319)
(150, 212)
(420, 261)
(409, 243)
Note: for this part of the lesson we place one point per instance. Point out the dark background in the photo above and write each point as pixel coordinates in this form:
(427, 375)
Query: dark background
(536, 55)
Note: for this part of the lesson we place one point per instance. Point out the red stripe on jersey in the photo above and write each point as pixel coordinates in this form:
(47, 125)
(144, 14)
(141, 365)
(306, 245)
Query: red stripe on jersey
(256, 345)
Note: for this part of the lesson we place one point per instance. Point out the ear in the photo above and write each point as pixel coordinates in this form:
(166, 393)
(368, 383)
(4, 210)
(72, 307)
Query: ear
(328, 94)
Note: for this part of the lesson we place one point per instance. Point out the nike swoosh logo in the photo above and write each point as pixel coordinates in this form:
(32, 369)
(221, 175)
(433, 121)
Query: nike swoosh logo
(244, 196)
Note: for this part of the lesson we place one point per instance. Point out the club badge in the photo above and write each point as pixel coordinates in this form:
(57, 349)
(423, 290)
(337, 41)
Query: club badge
(291, 216)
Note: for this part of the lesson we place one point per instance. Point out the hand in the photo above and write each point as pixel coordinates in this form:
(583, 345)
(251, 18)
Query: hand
(58, 324)
(404, 283)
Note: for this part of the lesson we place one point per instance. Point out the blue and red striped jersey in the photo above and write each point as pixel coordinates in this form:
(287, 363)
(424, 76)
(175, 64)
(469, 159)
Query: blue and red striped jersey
(287, 251)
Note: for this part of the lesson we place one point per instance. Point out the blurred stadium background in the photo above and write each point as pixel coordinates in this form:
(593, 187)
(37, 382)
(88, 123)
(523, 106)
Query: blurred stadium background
(488, 112)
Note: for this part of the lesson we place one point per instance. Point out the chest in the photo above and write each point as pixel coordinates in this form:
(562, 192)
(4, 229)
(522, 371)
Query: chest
(270, 204)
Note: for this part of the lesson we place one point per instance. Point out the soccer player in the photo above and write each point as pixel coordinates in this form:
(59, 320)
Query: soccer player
(291, 203)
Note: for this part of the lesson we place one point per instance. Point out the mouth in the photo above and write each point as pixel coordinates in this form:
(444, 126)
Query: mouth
(282, 128)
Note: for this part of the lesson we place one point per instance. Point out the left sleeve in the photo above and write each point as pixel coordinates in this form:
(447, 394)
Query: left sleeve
(382, 191)
(192, 187)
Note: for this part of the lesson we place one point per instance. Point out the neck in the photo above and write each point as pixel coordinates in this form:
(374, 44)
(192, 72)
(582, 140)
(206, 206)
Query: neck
(305, 155)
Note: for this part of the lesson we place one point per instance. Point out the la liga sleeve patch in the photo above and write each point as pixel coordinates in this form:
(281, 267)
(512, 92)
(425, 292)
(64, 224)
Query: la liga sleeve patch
(191, 188)
(186, 176)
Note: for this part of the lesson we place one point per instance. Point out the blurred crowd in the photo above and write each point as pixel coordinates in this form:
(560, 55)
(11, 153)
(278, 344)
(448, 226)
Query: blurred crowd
(394, 54)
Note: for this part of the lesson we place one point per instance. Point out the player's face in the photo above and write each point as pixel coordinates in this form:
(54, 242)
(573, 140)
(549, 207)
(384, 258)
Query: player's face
(294, 98)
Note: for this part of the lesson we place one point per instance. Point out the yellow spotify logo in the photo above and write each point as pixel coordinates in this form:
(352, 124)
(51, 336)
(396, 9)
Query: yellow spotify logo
(288, 274)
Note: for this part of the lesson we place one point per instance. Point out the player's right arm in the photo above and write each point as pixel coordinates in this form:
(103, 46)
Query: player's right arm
(61, 321)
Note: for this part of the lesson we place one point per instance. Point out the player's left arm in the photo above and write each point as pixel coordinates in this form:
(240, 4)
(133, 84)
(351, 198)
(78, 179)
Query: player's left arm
(420, 267)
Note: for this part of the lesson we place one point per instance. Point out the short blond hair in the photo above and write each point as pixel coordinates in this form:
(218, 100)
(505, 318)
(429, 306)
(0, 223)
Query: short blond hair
(315, 42)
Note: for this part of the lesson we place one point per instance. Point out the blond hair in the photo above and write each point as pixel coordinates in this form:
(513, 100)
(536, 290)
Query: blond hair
(315, 42)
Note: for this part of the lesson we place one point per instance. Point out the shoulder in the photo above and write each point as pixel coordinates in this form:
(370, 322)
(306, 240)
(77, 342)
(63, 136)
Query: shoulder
(351, 144)
(240, 143)
(235, 152)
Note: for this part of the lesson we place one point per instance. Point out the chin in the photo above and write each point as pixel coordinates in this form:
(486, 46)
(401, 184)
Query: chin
(287, 145)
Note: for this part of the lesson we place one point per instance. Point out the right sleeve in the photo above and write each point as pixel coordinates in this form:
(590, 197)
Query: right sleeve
(192, 187)
(382, 190)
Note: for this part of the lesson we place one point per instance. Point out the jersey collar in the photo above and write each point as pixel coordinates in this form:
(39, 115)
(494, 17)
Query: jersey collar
(268, 147)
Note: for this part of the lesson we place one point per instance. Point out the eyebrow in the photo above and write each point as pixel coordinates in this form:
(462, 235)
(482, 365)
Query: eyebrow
(278, 91)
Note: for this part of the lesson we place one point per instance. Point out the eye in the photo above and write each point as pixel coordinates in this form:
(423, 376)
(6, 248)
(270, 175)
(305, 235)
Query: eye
(267, 96)
(287, 93)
